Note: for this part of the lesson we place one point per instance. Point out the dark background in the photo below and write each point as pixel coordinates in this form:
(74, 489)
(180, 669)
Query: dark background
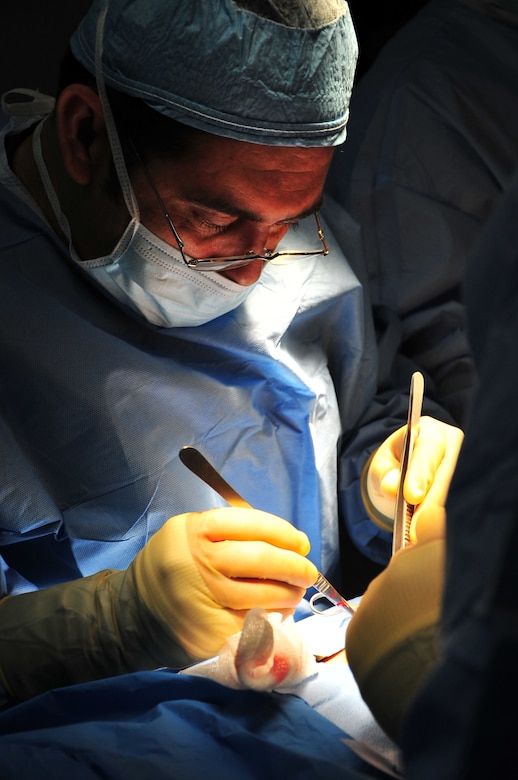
(33, 34)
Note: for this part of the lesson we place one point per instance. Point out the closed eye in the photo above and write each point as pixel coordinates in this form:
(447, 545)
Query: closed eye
(212, 227)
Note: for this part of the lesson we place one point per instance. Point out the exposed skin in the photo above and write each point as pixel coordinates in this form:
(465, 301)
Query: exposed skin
(228, 198)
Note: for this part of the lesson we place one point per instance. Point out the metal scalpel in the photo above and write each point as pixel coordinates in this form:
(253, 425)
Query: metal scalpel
(199, 465)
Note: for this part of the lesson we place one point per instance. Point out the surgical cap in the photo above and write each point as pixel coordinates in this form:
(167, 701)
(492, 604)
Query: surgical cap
(226, 70)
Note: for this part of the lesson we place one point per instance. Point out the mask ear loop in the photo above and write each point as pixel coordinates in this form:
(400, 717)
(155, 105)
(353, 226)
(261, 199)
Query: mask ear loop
(111, 128)
(47, 183)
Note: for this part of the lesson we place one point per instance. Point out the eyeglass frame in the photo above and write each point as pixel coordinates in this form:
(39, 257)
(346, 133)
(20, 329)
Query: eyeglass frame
(232, 261)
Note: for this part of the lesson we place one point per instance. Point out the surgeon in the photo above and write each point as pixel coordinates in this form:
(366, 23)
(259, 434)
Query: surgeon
(167, 279)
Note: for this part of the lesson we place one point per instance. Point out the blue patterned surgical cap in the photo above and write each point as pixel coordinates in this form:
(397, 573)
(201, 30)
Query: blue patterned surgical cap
(215, 66)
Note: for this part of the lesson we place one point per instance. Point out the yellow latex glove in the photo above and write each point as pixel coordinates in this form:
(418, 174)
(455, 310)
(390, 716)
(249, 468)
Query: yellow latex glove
(428, 478)
(201, 573)
(183, 595)
(392, 641)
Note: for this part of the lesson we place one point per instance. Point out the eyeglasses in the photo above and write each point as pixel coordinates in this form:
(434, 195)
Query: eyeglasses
(233, 261)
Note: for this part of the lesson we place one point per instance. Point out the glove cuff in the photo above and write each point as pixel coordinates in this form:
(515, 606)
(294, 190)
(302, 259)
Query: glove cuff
(379, 518)
(76, 632)
(408, 664)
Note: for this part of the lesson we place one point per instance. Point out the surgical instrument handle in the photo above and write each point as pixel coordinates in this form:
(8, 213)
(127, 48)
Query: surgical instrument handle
(199, 465)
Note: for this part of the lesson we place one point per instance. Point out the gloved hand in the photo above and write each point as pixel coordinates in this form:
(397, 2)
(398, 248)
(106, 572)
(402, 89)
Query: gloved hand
(201, 573)
(392, 639)
(186, 591)
(429, 474)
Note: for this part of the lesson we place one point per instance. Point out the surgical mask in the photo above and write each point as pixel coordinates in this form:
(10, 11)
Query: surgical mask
(149, 275)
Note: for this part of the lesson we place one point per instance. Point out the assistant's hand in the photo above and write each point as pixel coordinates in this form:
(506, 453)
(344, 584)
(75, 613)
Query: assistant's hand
(392, 639)
(428, 478)
(177, 602)
(202, 572)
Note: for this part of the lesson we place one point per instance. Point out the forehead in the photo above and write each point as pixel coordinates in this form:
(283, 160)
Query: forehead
(217, 168)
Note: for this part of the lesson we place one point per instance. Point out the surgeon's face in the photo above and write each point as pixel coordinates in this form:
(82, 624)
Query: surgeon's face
(230, 197)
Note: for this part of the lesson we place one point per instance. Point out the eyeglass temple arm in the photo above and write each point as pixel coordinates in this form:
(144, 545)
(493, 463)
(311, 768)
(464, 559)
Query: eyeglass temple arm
(321, 234)
(158, 197)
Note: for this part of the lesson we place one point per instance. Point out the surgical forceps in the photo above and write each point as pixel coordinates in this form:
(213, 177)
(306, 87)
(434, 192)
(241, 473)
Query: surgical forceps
(404, 510)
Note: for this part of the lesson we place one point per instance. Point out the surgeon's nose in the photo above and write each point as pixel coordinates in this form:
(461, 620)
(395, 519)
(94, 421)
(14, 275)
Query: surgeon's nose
(245, 275)
(261, 238)
(257, 239)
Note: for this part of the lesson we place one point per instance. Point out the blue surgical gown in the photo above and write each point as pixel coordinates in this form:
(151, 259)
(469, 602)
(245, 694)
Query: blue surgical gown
(95, 405)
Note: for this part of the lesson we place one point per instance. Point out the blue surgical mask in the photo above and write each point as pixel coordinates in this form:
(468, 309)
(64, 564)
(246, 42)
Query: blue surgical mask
(148, 274)
(152, 278)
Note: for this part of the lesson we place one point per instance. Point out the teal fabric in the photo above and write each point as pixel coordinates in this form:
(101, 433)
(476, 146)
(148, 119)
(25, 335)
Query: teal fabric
(213, 66)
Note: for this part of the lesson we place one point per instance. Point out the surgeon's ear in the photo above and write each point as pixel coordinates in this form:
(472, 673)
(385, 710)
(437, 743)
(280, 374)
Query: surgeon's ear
(81, 132)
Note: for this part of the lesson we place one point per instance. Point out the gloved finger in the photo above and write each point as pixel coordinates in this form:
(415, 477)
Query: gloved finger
(433, 462)
(428, 452)
(384, 466)
(246, 594)
(428, 524)
(257, 560)
(239, 524)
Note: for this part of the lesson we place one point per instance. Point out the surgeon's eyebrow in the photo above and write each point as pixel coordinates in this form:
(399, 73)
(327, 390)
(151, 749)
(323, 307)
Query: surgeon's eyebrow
(223, 206)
